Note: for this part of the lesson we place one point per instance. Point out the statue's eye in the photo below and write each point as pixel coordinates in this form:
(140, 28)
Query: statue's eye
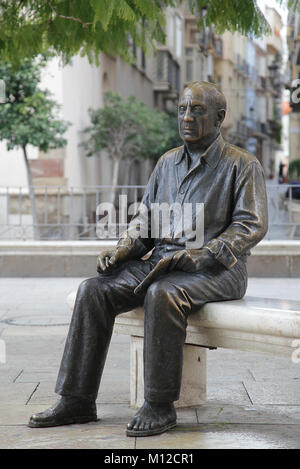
(198, 109)
(181, 109)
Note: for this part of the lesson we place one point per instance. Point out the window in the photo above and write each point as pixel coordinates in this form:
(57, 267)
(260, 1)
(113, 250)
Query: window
(188, 51)
(189, 70)
(178, 23)
(171, 42)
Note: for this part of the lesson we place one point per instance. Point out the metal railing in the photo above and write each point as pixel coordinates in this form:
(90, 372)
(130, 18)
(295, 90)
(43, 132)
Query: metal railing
(70, 213)
(284, 211)
(63, 213)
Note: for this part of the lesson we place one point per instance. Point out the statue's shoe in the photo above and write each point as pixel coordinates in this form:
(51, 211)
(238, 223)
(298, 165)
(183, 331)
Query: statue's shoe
(152, 419)
(66, 411)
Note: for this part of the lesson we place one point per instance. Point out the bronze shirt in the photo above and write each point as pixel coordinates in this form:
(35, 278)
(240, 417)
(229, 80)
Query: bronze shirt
(229, 181)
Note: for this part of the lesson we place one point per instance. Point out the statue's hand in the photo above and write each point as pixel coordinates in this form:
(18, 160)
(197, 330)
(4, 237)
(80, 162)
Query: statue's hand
(111, 257)
(191, 260)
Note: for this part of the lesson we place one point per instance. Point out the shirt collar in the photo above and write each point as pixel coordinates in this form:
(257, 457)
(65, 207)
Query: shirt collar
(212, 154)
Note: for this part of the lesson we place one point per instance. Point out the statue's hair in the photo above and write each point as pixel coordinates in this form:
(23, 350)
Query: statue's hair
(213, 93)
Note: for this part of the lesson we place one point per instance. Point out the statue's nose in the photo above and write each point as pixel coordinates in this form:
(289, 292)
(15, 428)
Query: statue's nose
(188, 117)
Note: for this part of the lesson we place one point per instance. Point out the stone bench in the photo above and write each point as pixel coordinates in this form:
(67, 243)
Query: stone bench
(252, 324)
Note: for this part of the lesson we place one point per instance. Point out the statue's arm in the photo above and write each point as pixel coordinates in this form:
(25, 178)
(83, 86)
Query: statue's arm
(136, 241)
(249, 220)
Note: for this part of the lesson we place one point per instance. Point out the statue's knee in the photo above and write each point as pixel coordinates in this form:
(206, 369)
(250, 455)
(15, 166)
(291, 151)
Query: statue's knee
(159, 290)
(166, 297)
(87, 287)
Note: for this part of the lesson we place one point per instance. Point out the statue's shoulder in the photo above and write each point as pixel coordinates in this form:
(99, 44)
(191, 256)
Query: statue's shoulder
(172, 154)
(239, 154)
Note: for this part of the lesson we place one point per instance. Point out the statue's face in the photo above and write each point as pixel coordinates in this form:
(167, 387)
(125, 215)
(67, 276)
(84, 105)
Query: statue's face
(196, 116)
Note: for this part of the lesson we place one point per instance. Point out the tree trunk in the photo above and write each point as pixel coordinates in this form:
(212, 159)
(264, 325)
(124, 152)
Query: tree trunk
(36, 231)
(129, 165)
(115, 177)
(131, 193)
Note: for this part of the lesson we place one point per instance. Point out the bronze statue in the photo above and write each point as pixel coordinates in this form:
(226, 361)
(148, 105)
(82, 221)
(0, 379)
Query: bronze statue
(175, 280)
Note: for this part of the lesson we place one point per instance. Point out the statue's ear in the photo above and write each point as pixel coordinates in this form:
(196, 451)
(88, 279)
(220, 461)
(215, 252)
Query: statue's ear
(220, 117)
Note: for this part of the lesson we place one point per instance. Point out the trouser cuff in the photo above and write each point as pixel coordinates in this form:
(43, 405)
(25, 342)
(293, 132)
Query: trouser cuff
(161, 396)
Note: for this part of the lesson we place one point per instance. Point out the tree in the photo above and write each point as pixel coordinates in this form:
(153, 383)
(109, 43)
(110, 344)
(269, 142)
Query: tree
(128, 130)
(67, 27)
(29, 117)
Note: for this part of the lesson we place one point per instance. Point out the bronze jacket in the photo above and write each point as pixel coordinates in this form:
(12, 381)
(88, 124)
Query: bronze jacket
(228, 180)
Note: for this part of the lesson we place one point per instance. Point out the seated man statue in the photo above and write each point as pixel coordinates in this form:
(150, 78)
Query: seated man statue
(177, 278)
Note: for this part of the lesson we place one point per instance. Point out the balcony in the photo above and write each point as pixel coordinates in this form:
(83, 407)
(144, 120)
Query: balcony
(218, 48)
(166, 73)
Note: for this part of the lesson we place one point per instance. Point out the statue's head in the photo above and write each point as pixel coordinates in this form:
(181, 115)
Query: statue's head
(201, 111)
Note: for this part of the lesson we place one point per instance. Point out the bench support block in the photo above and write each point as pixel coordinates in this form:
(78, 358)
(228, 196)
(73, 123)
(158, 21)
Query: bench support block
(193, 385)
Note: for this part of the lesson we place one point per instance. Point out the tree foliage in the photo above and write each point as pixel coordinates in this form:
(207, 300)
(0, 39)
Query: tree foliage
(294, 169)
(67, 27)
(128, 129)
(31, 117)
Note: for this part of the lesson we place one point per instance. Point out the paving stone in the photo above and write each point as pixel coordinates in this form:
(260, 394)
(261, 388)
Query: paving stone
(225, 436)
(36, 331)
(265, 414)
(115, 414)
(9, 374)
(266, 372)
(37, 376)
(16, 393)
(227, 393)
(274, 392)
(44, 394)
(88, 436)
(17, 414)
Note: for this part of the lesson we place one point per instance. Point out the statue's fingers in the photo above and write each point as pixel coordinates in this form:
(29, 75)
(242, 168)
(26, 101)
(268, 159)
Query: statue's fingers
(114, 258)
(107, 259)
(176, 261)
(101, 263)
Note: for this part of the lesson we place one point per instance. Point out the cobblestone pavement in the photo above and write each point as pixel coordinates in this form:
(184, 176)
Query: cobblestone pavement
(253, 399)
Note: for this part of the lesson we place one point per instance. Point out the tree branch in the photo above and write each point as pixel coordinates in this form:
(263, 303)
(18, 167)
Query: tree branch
(72, 18)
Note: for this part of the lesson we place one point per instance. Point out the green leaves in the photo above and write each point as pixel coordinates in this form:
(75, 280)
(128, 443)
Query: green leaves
(103, 11)
(294, 169)
(69, 27)
(33, 117)
(129, 129)
(234, 15)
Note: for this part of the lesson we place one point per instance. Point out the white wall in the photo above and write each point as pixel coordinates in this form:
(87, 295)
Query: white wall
(82, 89)
(12, 166)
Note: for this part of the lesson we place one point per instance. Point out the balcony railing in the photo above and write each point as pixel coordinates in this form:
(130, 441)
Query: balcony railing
(73, 213)
(167, 72)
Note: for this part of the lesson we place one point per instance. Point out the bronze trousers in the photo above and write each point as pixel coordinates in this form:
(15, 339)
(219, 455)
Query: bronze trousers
(168, 302)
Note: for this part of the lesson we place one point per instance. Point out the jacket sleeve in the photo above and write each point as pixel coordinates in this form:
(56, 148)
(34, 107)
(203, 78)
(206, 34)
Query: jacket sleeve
(249, 219)
(137, 237)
